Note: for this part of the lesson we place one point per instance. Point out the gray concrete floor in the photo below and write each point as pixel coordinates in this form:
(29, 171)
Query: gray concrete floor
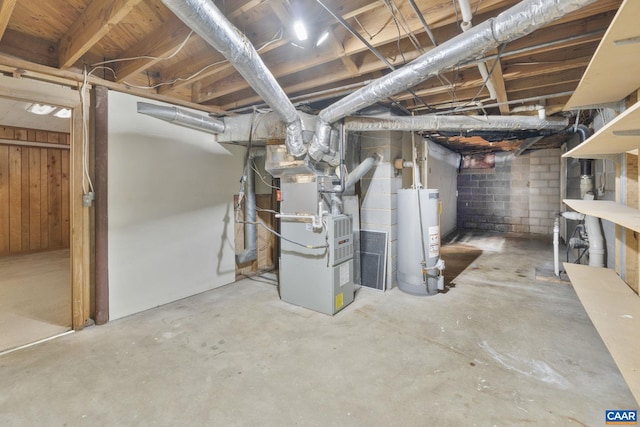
(499, 349)
(35, 297)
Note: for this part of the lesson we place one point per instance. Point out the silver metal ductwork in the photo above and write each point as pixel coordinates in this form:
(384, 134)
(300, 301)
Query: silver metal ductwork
(356, 174)
(182, 117)
(250, 252)
(515, 22)
(206, 20)
(452, 123)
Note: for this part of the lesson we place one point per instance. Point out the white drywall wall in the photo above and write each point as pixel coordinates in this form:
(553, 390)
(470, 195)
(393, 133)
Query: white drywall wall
(443, 174)
(170, 210)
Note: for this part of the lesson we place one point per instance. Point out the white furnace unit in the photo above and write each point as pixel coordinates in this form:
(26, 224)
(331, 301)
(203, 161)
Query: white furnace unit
(320, 279)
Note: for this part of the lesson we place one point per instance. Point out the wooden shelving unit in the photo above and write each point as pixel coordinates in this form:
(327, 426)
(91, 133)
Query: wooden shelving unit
(612, 211)
(620, 135)
(615, 312)
(612, 73)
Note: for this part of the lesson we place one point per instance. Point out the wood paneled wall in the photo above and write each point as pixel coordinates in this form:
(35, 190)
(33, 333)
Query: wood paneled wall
(34, 191)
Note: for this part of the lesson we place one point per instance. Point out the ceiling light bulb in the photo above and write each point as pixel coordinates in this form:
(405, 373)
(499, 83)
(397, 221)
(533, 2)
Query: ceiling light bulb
(322, 38)
(40, 109)
(301, 31)
(63, 113)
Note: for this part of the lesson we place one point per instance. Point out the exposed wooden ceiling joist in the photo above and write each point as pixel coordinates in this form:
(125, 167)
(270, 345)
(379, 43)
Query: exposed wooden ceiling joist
(6, 10)
(59, 38)
(93, 24)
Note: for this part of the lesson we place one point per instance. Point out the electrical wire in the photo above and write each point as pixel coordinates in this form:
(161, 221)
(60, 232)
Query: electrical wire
(153, 58)
(371, 36)
(177, 79)
(484, 82)
(267, 210)
(399, 39)
(395, 12)
(274, 232)
(475, 12)
(455, 9)
(276, 37)
(255, 169)
(85, 134)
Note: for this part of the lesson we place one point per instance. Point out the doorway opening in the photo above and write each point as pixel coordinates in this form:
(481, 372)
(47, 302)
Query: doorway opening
(35, 263)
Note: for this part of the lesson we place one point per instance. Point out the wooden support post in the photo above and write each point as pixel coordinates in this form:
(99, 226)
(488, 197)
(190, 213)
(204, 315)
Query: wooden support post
(101, 206)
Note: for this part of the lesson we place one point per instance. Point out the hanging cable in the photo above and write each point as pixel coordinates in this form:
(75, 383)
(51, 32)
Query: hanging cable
(420, 16)
(371, 48)
(153, 58)
(274, 232)
(255, 169)
(484, 81)
(276, 37)
(85, 134)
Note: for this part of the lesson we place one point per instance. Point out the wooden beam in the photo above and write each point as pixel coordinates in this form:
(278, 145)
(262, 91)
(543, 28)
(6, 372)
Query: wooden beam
(101, 125)
(547, 79)
(251, 4)
(279, 9)
(29, 48)
(338, 48)
(282, 66)
(71, 78)
(6, 9)
(215, 74)
(157, 44)
(171, 36)
(497, 78)
(96, 21)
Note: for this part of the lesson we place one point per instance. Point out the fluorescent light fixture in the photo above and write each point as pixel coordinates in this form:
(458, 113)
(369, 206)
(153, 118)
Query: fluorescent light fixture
(40, 109)
(301, 31)
(322, 38)
(63, 113)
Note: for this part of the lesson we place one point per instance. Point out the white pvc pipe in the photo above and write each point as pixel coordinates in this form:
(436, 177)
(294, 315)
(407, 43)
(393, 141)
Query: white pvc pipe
(596, 241)
(465, 10)
(594, 234)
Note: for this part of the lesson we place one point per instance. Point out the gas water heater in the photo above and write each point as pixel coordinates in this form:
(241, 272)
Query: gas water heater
(420, 268)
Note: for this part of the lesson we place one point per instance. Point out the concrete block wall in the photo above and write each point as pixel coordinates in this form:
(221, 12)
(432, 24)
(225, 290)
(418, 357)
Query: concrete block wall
(378, 190)
(521, 194)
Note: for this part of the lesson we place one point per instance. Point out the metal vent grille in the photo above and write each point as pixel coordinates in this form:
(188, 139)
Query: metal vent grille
(373, 258)
(342, 239)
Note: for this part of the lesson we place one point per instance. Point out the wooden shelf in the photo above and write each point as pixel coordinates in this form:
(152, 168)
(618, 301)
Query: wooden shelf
(611, 74)
(620, 135)
(614, 310)
(612, 211)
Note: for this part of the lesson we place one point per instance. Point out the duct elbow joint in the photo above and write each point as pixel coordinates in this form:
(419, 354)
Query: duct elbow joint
(248, 255)
(294, 142)
(319, 147)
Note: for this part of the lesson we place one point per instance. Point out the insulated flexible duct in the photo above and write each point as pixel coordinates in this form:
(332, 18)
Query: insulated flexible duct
(182, 117)
(250, 252)
(361, 170)
(452, 123)
(516, 22)
(206, 20)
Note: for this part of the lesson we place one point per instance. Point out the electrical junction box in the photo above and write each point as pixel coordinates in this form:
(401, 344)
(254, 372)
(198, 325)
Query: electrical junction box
(319, 279)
